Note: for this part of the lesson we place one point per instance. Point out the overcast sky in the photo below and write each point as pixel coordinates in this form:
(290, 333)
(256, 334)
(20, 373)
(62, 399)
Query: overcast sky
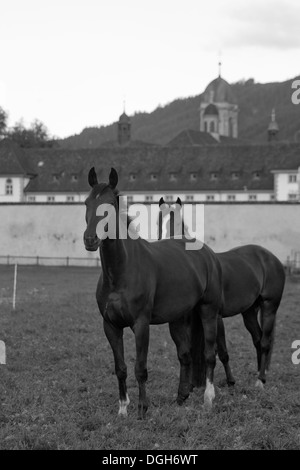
(71, 63)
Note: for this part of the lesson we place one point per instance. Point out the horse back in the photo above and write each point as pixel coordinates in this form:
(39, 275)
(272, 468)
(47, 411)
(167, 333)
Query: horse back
(249, 273)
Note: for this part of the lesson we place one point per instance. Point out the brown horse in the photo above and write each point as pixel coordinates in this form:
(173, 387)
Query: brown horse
(252, 281)
(144, 283)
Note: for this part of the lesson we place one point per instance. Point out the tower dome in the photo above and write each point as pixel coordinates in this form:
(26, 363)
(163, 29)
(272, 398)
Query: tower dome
(219, 109)
(219, 91)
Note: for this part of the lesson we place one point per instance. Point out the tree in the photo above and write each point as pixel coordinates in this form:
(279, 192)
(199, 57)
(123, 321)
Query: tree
(3, 123)
(35, 137)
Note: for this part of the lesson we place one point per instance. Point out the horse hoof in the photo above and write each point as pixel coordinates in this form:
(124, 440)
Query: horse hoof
(231, 383)
(259, 384)
(142, 412)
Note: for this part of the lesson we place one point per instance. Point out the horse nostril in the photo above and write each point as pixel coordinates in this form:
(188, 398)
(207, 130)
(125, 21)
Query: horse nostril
(90, 240)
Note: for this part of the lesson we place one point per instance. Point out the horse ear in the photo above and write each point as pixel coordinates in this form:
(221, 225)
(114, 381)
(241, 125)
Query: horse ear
(161, 201)
(113, 178)
(179, 201)
(92, 178)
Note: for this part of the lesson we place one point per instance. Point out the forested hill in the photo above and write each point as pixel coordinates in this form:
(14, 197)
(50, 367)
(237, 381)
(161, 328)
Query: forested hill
(255, 101)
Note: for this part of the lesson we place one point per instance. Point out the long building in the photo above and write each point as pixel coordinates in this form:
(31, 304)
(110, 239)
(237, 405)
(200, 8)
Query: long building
(209, 165)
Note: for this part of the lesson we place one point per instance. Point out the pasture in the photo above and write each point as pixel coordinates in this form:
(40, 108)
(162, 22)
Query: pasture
(58, 389)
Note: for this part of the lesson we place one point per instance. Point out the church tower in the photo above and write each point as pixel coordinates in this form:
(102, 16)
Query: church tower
(273, 128)
(124, 129)
(219, 109)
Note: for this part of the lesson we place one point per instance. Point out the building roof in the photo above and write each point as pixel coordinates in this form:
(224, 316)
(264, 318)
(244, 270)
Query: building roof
(124, 118)
(192, 137)
(219, 91)
(214, 166)
(13, 159)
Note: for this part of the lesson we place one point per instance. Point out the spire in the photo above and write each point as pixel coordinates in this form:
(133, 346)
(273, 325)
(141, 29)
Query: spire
(273, 128)
(220, 64)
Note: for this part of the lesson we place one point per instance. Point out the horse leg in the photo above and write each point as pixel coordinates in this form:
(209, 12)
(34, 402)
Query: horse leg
(222, 351)
(180, 336)
(209, 321)
(141, 332)
(115, 338)
(252, 325)
(268, 317)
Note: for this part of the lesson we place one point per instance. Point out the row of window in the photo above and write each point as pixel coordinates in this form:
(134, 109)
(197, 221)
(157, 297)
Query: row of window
(214, 176)
(169, 198)
(56, 177)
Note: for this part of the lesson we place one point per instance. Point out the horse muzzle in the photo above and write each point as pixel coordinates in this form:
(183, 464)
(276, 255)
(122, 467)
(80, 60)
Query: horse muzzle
(91, 243)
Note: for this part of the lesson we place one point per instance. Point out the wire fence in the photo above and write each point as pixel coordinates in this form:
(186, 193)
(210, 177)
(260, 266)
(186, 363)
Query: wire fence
(292, 263)
(50, 261)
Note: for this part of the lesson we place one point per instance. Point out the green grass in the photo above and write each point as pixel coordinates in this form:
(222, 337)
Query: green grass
(58, 389)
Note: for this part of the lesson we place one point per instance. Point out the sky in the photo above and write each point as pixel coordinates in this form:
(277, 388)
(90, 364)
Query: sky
(72, 63)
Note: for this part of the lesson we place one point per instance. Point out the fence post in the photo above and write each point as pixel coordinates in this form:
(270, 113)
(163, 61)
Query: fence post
(37, 260)
(67, 261)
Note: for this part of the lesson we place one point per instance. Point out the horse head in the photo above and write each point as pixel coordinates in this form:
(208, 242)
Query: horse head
(171, 218)
(101, 203)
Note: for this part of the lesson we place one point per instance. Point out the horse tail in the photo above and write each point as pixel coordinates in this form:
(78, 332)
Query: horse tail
(197, 350)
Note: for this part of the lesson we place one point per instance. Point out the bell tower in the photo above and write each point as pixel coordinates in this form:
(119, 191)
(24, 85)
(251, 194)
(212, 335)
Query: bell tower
(124, 128)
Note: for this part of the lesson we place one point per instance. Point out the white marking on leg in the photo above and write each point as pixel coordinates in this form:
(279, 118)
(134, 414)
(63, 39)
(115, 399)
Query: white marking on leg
(165, 231)
(259, 384)
(209, 395)
(123, 406)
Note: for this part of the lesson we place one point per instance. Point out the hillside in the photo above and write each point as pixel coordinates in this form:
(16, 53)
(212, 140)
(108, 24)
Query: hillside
(255, 100)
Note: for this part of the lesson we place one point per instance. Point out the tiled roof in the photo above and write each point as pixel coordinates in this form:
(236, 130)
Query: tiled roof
(153, 167)
(13, 159)
(130, 143)
(192, 137)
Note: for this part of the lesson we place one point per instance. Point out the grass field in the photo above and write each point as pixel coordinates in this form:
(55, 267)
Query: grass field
(58, 389)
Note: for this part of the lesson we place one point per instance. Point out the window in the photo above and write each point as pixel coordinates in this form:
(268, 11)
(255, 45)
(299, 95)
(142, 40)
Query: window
(31, 198)
(129, 198)
(212, 127)
(214, 176)
(292, 178)
(252, 197)
(210, 197)
(149, 198)
(231, 197)
(74, 178)
(50, 198)
(173, 176)
(153, 177)
(70, 198)
(235, 175)
(132, 177)
(189, 198)
(9, 187)
(293, 197)
(169, 198)
(55, 178)
(256, 175)
(272, 197)
(193, 176)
